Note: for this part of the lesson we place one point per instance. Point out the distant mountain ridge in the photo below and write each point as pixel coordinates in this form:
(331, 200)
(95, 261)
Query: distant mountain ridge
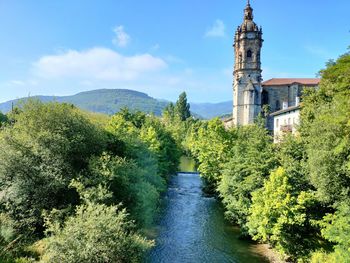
(110, 101)
(211, 110)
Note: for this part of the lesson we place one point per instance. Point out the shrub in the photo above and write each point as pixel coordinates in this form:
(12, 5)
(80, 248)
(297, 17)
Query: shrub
(95, 234)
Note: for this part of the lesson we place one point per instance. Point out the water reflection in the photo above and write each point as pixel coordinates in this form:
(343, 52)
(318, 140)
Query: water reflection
(192, 228)
(187, 164)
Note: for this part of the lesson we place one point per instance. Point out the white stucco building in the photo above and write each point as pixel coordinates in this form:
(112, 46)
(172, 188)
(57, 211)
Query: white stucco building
(285, 121)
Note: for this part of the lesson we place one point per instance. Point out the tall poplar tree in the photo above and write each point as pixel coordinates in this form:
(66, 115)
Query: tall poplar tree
(182, 107)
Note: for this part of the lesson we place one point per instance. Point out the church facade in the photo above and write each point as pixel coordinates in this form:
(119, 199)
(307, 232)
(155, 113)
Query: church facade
(250, 94)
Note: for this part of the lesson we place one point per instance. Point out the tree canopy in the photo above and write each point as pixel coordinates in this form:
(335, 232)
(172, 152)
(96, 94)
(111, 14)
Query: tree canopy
(77, 187)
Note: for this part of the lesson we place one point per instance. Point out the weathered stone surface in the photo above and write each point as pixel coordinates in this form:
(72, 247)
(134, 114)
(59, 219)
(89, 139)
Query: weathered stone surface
(247, 71)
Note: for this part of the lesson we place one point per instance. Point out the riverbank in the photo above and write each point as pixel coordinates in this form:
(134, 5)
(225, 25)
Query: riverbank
(270, 253)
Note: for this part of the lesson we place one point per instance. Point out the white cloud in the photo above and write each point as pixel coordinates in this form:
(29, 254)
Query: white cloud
(217, 29)
(121, 38)
(97, 63)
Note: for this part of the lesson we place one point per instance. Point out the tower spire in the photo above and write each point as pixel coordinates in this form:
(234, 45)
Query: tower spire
(248, 11)
(247, 87)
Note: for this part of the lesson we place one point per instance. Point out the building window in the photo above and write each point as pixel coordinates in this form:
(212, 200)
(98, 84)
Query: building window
(249, 53)
(277, 123)
(265, 97)
(278, 105)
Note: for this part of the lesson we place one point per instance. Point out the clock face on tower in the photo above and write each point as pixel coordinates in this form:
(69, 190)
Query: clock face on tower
(251, 35)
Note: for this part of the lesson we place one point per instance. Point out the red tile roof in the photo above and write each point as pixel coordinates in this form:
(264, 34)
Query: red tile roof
(282, 82)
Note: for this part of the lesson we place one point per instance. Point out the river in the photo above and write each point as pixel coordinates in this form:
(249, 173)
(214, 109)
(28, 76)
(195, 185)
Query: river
(192, 228)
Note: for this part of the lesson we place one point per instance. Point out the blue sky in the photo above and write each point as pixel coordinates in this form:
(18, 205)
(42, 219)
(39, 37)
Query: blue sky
(61, 47)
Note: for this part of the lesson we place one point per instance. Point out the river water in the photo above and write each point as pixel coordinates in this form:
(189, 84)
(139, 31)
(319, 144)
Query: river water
(192, 228)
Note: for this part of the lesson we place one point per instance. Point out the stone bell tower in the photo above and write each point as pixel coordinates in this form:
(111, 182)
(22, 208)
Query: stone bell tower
(247, 70)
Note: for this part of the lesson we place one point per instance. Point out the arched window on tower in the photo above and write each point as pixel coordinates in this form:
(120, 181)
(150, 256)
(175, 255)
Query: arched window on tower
(249, 53)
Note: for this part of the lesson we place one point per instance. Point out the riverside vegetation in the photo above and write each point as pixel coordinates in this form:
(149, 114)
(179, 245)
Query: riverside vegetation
(294, 195)
(80, 187)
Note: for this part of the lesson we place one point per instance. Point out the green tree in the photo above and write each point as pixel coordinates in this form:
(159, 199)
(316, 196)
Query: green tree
(96, 233)
(210, 144)
(169, 112)
(252, 158)
(325, 130)
(292, 157)
(182, 108)
(281, 215)
(3, 119)
(43, 150)
(139, 130)
(154, 155)
(162, 144)
(137, 118)
(177, 121)
(137, 189)
(336, 229)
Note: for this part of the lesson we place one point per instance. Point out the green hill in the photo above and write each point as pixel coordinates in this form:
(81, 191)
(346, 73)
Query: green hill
(108, 101)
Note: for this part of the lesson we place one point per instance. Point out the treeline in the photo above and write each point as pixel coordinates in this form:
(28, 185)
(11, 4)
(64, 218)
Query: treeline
(77, 186)
(294, 195)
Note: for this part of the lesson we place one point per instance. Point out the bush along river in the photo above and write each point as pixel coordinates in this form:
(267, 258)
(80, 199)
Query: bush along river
(192, 228)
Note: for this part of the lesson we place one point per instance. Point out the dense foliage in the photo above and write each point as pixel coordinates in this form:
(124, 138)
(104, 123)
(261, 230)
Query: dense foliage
(46, 148)
(78, 185)
(293, 195)
(210, 144)
(326, 117)
(96, 233)
(179, 121)
(252, 159)
(281, 215)
(3, 119)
